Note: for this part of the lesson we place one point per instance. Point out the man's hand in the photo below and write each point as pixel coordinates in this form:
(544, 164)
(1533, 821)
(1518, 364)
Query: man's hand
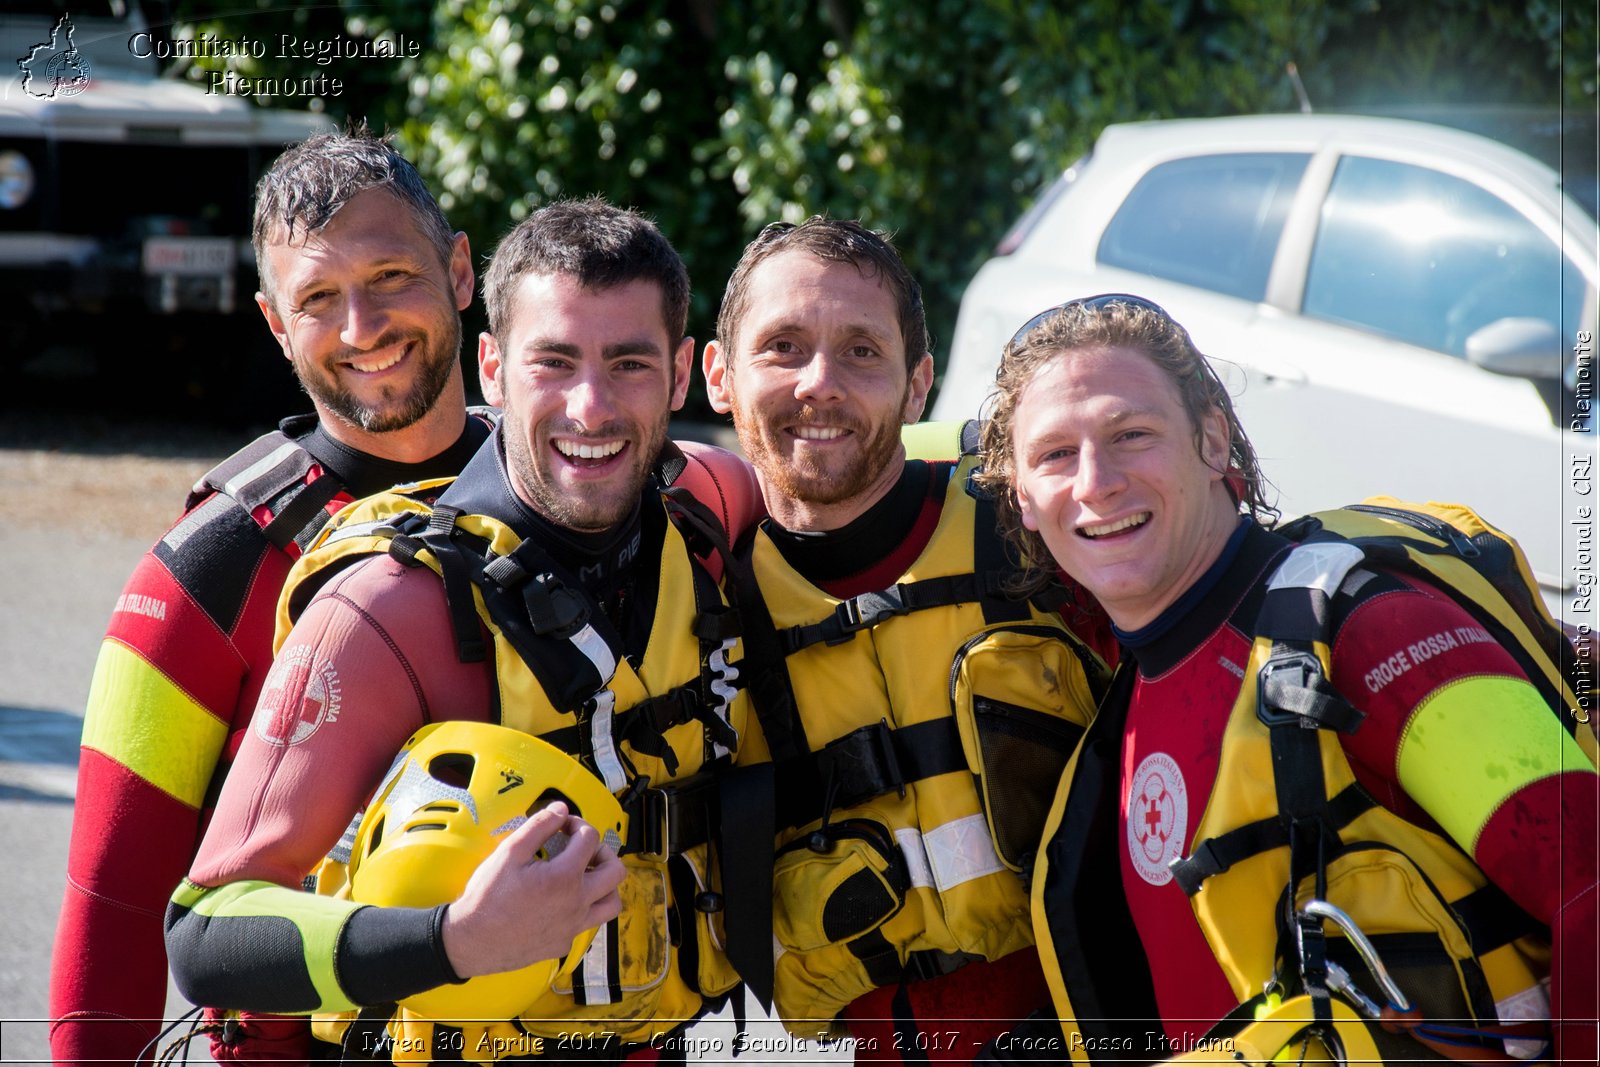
(518, 909)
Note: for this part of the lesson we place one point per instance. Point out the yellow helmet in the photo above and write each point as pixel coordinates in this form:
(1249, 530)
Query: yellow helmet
(455, 790)
(1286, 1032)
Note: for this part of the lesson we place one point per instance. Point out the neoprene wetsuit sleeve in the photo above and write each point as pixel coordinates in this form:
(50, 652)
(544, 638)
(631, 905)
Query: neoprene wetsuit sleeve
(257, 946)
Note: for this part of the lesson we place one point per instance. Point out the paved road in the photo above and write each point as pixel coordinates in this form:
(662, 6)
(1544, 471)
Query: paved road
(74, 520)
(77, 509)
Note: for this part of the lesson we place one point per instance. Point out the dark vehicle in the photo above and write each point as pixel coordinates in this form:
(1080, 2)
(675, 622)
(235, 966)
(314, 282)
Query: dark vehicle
(125, 203)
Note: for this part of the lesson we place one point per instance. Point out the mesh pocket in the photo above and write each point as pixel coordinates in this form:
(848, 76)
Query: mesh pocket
(1023, 754)
(854, 885)
(1021, 697)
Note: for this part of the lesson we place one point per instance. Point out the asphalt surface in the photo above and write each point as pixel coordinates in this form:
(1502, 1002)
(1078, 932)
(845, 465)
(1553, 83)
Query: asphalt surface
(80, 501)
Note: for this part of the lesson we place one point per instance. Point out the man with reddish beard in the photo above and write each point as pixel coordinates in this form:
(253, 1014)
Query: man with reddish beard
(362, 282)
(550, 588)
(934, 711)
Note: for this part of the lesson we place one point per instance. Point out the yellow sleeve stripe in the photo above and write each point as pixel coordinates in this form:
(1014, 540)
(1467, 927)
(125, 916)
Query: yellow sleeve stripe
(1474, 742)
(315, 921)
(138, 717)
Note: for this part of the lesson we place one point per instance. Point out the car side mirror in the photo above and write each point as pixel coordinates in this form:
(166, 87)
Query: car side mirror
(1518, 347)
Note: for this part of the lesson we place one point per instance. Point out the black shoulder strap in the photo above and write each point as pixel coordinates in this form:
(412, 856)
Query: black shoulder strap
(746, 795)
(271, 481)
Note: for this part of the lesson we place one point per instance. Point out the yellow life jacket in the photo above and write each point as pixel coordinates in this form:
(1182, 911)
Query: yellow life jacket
(652, 731)
(1456, 945)
(934, 719)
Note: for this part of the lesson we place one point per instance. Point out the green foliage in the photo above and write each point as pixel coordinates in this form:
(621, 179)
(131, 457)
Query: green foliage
(936, 119)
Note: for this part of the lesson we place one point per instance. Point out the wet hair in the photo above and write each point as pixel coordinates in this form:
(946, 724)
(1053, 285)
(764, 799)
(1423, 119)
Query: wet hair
(596, 243)
(832, 241)
(307, 185)
(1101, 325)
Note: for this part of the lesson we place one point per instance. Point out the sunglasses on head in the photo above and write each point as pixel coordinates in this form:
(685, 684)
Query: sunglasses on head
(1089, 303)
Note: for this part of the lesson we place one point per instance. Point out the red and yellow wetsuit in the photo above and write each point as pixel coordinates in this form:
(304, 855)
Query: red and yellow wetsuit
(1455, 742)
(183, 662)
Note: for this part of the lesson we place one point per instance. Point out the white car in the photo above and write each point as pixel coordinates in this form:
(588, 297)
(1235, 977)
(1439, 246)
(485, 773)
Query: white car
(1397, 307)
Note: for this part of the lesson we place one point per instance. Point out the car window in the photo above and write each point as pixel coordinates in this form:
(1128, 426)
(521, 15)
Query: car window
(1422, 256)
(1208, 221)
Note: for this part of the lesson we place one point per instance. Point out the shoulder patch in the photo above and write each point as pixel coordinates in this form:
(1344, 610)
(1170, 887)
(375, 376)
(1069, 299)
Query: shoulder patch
(214, 552)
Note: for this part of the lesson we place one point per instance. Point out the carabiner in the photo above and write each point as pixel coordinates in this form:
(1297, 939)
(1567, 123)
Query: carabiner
(1321, 909)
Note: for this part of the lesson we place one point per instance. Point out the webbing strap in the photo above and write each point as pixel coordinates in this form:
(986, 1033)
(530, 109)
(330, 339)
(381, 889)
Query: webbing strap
(301, 514)
(745, 843)
(1217, 854)
(993, 555)
(746, 800)
(858, 613)
(268, 479)
(470, 646)
(1493, 919)
(367, 1036)
(866, 762)
(907, 1033)
(881, 960)
(766, 674)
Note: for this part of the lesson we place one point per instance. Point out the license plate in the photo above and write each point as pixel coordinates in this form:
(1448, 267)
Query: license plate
(188, 255)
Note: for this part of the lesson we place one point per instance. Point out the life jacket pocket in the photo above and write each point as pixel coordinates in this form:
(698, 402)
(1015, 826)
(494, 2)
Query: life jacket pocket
(702, 906)
(631, 953)
(1450, 952)
(1011, 691)
(837, 883)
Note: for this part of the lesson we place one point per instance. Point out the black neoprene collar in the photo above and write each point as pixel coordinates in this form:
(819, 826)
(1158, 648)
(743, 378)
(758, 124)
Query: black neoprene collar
(834, 554)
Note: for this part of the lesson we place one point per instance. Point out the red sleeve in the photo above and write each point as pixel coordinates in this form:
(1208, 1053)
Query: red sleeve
(725, 483)
(170, 678)
(1406, 657)
(370, 661)
(1564, 892)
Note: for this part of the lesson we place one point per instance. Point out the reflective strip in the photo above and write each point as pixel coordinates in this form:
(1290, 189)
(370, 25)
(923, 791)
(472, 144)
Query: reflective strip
(195, 521)
(357, 529)
(960, 851)
(723, 674)
(235, 486)
(417, 789)
(910, 841)
(1316, 566)
(1474, 742)
(137, 716)
(594, 647)
(948, 855)
(341, 852)
(605, 748)
(596, 980)
(1532, 1005)
(394, 769)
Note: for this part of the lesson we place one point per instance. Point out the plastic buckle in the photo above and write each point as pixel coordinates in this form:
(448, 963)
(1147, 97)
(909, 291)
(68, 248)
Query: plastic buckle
(859, 612)
(655, 833)
(883, 738)
(1306, 670)
(848, 615)
(554, 610)
(1311, 945)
